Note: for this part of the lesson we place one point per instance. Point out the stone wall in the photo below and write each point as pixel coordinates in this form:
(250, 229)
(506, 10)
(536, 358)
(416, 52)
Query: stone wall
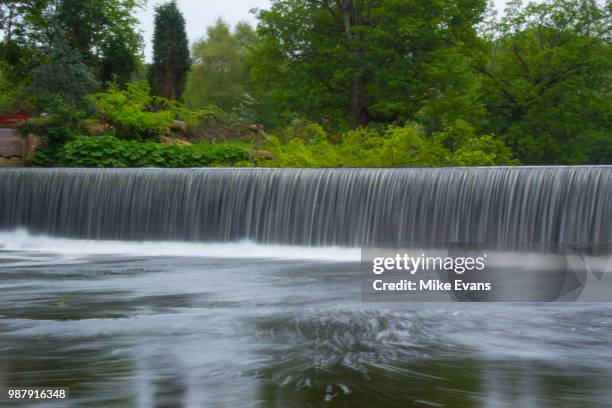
(14, 147)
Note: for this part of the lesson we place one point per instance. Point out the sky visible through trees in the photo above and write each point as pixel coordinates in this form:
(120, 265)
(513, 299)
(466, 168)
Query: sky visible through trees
(197, 18)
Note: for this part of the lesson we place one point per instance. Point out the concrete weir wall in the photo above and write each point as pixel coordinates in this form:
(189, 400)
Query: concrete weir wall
(14, 147)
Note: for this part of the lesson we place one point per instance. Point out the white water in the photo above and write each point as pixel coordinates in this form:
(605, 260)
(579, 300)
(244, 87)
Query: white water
(22, 240)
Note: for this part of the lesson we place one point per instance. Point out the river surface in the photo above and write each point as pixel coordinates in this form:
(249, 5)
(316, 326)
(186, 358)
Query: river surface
(243, 325)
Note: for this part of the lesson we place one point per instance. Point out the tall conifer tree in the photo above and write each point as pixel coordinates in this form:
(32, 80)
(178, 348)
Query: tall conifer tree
(171, 62)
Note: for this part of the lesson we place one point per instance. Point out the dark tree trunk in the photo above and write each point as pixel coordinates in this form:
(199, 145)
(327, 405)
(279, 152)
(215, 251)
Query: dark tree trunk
(356, 93)
(356, 104)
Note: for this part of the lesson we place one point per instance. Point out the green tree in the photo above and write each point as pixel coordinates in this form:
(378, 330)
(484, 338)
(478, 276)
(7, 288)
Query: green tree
(168, 72)
(20, 18)
(20, 24)
(62, 81)
(548, 85)
(365, 61)
(458, 97)
(218, 75)
(101, 30)
(119, 62)
(104, 32)
(7, 97)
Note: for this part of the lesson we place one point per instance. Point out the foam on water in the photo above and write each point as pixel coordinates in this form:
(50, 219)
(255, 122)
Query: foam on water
(21, 240)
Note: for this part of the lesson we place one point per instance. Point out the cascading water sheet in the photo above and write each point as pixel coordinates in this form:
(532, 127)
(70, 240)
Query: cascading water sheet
(314, 207)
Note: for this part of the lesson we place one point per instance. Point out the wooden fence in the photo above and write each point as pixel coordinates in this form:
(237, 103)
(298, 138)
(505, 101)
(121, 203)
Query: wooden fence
(12, 118)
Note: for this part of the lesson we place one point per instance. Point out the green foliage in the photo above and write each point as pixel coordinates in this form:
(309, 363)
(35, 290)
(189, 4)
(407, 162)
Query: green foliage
(20, 24)
(63, 82)
(19, 17)
(120, 63)
(7, 91)
(55, 132)
(133, 112)
(534, 86)
(105, 33)
(171, 62)
(98, 29)
(108, 151)
(459, 96)
(218, 75)
(359, 61)
(39, 125)
(548, 82)
(483, 151)
(395, 147)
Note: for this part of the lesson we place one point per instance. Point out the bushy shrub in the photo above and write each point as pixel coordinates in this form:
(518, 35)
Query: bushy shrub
(38, 125)
(472, 150)
(133, 113)
(54, 132)
(406, 146)
(363, 147)
(304, 130)
(108, 151)
(484, 151)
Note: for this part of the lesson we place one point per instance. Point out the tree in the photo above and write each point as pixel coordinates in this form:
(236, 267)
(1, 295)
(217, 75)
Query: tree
(19, 18)
(99, 29)
(362, 60)
(63, 82)
(119, 62)
(168, 73)
(104, 32)
(7, 91)
(218, 75)
(20, 24)
(549, 82)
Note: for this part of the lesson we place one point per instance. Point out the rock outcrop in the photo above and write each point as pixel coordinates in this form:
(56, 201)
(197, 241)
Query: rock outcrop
(14, 148)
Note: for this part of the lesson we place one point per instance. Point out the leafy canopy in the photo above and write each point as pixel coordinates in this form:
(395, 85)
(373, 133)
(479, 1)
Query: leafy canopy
(218, 75)
(549, 81)
(367, 61)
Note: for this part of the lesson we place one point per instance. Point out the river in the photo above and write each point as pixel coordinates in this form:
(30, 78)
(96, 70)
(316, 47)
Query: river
(247, 325)
(241, 288)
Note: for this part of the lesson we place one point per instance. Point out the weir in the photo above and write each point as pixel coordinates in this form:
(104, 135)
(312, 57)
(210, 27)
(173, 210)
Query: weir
(317, 207)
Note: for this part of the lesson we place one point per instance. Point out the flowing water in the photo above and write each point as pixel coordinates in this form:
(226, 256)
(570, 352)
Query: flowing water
(231, 288)
(314, 207)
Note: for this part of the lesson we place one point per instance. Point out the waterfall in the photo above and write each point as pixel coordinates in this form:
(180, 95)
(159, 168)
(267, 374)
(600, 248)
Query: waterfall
(347, 207)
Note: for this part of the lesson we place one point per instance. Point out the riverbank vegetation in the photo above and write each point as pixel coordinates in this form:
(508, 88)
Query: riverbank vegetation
(315, 84)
